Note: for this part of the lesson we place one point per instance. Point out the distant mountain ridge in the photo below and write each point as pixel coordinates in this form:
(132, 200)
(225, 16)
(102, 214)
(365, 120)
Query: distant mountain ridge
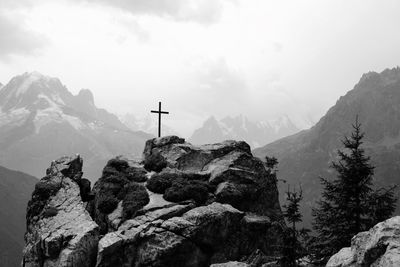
(147, 124)
(15, 191)
(41, 120)
(241, 128)
(305, 156)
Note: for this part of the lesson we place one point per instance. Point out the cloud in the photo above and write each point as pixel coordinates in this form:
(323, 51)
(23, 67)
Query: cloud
(134, 27)
(217, 87)
(200, 11)
(16, 38)
(278, 47)
(14, 4)
(220, 78)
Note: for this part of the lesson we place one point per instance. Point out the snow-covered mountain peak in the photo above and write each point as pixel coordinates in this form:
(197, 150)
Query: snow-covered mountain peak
(41, 120)
(27, 79)
(43, 100)
(28, 91)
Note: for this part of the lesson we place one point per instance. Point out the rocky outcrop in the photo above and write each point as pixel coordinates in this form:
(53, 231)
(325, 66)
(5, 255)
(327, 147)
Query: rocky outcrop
(379, 247)
(60, 232)
(240, 179)
(181, 206)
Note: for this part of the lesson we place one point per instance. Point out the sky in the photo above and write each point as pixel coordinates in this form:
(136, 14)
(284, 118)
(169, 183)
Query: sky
(259, 58)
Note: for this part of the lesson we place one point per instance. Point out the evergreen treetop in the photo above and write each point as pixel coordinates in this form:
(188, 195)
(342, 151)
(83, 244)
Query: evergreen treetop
(349, 203)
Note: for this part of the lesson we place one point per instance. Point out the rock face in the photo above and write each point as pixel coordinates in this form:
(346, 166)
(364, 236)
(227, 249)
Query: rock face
(181, 206)
(379, 247)
(60, 232)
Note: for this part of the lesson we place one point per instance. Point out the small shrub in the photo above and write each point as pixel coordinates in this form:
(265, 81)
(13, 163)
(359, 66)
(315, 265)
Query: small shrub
(107, 171)
(118, 164)
(84, 188)
(136, 174)
(155, 162)
(43, 190)
(119, 178)
(158, 183)
(135, 198)
(106, 203)
(195, 176)
(184, 190)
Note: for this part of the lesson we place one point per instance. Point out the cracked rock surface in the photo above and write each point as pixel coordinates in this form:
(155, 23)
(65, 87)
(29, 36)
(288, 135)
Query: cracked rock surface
(60, 232)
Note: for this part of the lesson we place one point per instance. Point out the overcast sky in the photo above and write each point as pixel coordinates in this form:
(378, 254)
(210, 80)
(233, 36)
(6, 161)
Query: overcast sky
(258, 58)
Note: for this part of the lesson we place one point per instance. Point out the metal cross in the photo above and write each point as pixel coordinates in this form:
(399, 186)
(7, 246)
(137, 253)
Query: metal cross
(159, 117)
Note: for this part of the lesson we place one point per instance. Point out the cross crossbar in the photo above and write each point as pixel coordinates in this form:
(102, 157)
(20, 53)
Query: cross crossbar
(159, 111)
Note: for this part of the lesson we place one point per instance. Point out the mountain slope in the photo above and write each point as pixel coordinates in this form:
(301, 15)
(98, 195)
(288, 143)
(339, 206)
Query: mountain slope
(241, 128)
(15, 191)
(41, 120)
(305, 156)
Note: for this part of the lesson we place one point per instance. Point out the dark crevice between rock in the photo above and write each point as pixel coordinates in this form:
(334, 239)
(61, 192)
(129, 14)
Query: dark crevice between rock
(375, 253)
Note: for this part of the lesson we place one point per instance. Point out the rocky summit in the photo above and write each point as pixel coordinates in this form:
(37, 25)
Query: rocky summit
(182, 205)
(380, 247)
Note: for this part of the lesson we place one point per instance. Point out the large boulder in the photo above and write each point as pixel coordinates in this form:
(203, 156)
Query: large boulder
(60, 232)
(378, 247)
(175, 238)
(239, 178)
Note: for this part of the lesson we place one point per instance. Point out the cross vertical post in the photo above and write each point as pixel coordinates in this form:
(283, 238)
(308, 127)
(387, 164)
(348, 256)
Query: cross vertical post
(159, 117)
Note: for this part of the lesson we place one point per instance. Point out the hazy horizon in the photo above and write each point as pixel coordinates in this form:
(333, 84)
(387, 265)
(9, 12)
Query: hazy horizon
(262, 59)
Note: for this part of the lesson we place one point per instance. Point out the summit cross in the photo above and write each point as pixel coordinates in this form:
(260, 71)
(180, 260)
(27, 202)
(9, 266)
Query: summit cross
(159, 117)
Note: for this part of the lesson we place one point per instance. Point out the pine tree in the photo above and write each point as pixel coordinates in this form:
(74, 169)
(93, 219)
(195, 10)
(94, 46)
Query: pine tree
(292, 248)
(349, 203)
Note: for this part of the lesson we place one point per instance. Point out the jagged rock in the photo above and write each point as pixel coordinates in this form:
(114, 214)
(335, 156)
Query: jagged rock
(379, 247)
(60, 232)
